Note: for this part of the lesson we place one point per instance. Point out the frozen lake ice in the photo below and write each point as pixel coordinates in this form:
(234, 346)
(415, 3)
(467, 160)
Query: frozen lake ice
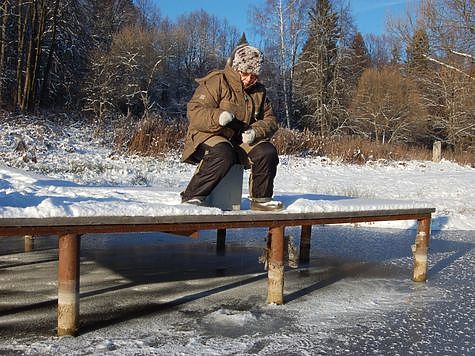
(167, 295)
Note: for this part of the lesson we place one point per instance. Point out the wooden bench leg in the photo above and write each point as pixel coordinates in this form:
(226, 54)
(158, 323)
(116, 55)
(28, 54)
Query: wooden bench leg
(304, 251)
(420, 249)
(220, 241)
(275, 292)
(29, 243)
(68, 284)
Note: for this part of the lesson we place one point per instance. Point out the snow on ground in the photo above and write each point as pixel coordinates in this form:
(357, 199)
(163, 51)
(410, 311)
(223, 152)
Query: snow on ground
(76, 174)
(158, 294)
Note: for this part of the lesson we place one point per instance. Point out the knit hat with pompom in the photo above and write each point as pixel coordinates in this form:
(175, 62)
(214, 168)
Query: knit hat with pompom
(248, 59)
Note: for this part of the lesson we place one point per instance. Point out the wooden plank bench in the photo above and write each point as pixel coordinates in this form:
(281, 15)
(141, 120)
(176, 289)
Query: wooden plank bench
(70, 230)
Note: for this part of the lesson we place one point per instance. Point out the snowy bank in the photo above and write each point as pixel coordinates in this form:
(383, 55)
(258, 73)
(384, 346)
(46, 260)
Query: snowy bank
(28, 195)
(76, 174)
(446, 186)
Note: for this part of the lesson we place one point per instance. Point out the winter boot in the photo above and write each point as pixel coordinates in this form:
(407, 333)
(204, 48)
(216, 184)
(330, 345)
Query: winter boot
(197, 201)
(266, 204)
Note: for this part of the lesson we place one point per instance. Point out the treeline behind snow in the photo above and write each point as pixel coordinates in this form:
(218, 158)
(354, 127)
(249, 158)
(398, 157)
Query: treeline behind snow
(121, 58)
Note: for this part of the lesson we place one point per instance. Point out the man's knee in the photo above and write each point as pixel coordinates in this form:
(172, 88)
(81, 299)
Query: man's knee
(224, 154)
(264, 152)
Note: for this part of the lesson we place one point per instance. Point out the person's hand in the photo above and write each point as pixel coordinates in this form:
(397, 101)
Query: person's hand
(249, 136)
(225, 118)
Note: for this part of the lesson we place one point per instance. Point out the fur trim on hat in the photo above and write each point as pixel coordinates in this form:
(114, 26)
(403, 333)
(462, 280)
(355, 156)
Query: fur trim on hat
(248, 59)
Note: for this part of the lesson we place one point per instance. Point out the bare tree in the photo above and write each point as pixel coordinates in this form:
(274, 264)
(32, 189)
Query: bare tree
(109, 17)
(5, 17)
(46, 46)
(449, 99)
(121, 79)
(37, 25)
(51, 49)
(282, 24)
(383, 49)
(451, 25)
(446, 55)
(387, 107)
(148, 13)
(195, 45)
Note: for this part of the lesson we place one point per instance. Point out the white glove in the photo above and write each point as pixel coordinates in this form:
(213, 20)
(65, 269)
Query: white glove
(225, 118)
(249, 136)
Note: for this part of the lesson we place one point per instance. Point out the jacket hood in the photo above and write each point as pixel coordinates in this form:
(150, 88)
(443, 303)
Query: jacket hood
(233, 77)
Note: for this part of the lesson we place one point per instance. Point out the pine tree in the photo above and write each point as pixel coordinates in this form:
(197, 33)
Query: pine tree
(360, 59)
(318, 72)
(416, 52)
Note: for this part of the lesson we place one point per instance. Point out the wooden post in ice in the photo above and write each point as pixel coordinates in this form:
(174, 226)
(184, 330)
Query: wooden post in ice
(275, 273)
(29, 242)
(420, 249)
(304, 251)
(68, 284)
(437, 151)
(220, 241)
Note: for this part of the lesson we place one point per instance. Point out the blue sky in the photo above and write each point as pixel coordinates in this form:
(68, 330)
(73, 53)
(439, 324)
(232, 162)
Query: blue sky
(369, 15)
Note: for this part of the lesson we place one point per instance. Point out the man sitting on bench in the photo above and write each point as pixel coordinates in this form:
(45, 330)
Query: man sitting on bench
(231, 121)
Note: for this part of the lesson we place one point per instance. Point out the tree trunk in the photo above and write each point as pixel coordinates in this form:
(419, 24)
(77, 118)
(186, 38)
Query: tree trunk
(30, 58)
(3, 44)
(39, 41)
(282, 63)
(49, 63)
(21, 44)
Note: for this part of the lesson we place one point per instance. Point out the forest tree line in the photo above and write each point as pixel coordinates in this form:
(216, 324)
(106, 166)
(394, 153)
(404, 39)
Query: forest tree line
(120, 58)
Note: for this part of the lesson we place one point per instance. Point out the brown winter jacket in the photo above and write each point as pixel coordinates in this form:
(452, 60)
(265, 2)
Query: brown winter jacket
(222, 90)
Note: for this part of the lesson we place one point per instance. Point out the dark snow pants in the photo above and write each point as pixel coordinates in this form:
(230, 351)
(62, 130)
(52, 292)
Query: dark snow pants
(217, 160)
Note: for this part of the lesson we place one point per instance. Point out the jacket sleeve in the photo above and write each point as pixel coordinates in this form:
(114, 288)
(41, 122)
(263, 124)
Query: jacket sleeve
(203, 108)
(267, 126)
